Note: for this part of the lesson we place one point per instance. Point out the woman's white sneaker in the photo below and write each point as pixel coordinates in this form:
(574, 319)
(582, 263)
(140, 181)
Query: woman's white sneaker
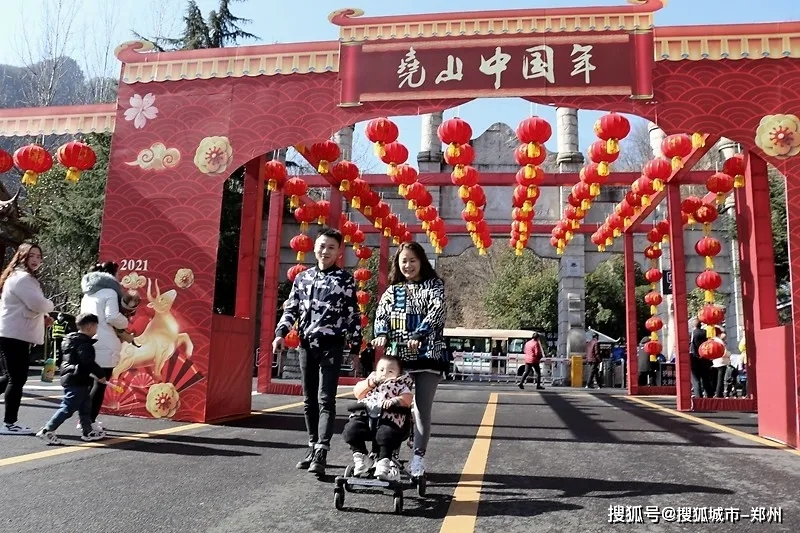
(15, 429)
(417, 466)
(363, 463)
(93, 436)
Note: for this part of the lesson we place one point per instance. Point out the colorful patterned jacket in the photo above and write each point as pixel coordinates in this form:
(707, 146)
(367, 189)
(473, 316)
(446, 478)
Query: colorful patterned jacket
(414, 311)
(324, 304)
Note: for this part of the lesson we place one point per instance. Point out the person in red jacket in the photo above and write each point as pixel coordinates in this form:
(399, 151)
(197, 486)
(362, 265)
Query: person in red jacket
(533, 356)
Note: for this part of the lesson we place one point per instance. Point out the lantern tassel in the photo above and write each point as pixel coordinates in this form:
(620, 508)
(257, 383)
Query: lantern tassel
(356, 202)
(344, 186)
(303, 227)
(322, 168)
(73, 175)
(711, 331)
(602, 168)
(301, 256)
(30, 177)
(738, 181)
(532, 150)
(609, 241)
(453, 150)
(458, 172)
(612, 146)
(698, 140)
(368, 210)
(708, 297)
(379, 150)
(518, 252)
(709, 262)
(402, 189)
(530, 171)
(294, 202)
(653, 336)
(706, 229)
(653, 309)
(594, 189)
(378, 223)
(586, 205)
(677, 163)
(272, 185)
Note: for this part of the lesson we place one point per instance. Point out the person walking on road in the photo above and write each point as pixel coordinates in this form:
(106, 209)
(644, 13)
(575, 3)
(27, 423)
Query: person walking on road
(23, 318)
(323, 304)
(593, 358)
(533, 357)
(409, 322)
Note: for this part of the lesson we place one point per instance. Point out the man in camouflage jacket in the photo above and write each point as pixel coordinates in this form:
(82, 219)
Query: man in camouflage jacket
(324, 307)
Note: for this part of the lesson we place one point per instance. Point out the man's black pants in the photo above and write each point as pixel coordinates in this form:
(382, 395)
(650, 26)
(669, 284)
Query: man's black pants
(319, 375)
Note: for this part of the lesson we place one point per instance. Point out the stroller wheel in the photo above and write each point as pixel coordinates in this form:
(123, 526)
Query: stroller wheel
(398, 502)
(422, 485)
(338, 498)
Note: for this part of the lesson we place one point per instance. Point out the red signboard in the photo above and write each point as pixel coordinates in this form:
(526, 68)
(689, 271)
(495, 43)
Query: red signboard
(566, 64)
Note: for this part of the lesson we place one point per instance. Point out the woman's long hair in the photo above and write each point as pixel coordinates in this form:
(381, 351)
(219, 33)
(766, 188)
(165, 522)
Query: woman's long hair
(426, 270)
(20, 260)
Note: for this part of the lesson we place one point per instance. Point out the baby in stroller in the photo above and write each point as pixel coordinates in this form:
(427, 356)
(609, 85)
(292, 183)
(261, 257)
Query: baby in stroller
(384, 390)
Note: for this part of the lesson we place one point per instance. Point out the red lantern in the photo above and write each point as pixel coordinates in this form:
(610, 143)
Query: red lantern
(598, 240)
(677, 147)
(663, 228)
(709, 281)
(611, 128)
(394, 154)
(654, 236)
(522, 157)
(591, 175)
(466, 176)
(465, 156)
(358, 188)
(362, 276)
(454, 132)
(358, 239)
(625, 210)
(653, 323)
(294, 271)
(343, 173)
(659, 170)
(643, 186)
(708, 247)
(292, 339)
(302, 244)
(326, 153)
(275, 173)
(653, 299)
(381, 131)
(363, 253)
(598, 154)
(363, 299)
(711, 315)
(735, 167)
(653, 347)
(33, 160)
(425, 215)
(720, 184)
(295, 188)
(323, 211)
(706, 214)
(534, 130)
(634, 200)
(305, 214)
(348, 229)
(76, 157)
(711, 349)
(690, 204)
(581, 191)
(652, 252)
(6, 161)
(653, 275)
(406, 176)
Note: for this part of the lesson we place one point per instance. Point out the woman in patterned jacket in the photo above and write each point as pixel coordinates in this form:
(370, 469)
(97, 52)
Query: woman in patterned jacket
(409, 322)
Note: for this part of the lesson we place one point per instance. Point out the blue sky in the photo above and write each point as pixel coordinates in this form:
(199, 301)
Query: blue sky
(308, 22)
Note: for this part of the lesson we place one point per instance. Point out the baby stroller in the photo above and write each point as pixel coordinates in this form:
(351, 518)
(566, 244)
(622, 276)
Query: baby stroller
(351, 483)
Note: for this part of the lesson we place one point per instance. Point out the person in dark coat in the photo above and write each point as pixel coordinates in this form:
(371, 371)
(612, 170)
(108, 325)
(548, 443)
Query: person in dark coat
(78, 373)
(367, 360)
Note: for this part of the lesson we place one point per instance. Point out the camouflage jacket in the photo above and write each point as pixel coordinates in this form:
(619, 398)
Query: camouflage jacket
(324, 304)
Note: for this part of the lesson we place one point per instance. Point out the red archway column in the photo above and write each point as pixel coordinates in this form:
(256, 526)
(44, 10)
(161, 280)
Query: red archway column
(770, 347)
(250, 239)
(632, 344)
(678, 264)
(269, 298)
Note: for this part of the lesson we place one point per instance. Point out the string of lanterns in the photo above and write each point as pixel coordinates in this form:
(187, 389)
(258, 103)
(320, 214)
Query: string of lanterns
(33, 160)
(457, 134)
(533, 133)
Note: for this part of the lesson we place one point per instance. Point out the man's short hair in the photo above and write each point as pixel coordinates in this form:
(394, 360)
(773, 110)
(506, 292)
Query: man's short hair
(331, 233)
(84, 319)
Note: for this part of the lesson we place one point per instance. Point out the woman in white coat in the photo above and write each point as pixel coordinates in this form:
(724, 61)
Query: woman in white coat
(102, 294)
(23, 313)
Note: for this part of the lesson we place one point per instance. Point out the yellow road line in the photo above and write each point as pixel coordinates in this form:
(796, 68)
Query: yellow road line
(110, 443)
(719, 427)
(463, 511)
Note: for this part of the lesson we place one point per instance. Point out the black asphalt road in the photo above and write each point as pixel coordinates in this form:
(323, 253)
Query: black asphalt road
(561, 460)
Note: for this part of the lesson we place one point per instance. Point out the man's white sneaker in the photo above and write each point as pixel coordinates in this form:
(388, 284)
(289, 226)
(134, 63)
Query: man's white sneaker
(49, 437)
(386, 470)
(93, 436)
(417, 466)
(15, 429)
(363, 463)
